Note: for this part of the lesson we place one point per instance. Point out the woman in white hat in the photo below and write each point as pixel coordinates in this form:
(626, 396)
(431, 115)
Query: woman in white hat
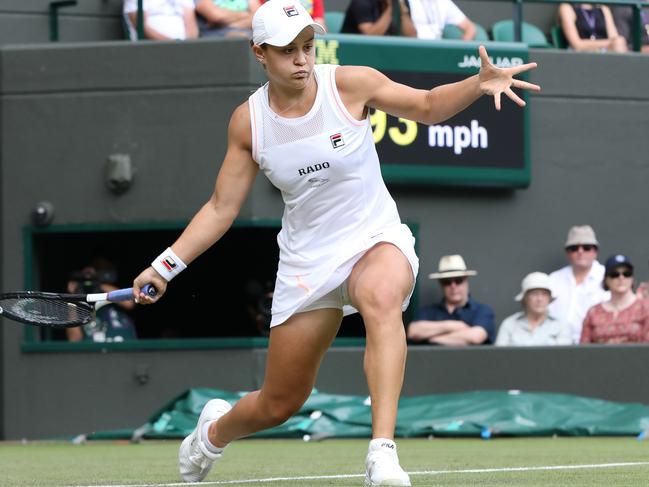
(342, 245)
(534, 325)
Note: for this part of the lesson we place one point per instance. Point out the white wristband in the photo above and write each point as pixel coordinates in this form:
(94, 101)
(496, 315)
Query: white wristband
(168, 264)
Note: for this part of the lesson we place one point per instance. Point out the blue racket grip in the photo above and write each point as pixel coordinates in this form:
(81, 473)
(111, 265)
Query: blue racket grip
(127, 294)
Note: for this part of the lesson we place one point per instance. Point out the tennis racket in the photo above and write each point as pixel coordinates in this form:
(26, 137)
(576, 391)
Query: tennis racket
(60, 310)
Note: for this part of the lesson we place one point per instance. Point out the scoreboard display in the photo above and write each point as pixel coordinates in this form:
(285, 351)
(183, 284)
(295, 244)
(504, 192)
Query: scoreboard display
(478, 147)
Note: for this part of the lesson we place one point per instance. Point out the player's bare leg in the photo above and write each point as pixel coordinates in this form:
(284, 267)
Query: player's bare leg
(295, 351)
(378, 285)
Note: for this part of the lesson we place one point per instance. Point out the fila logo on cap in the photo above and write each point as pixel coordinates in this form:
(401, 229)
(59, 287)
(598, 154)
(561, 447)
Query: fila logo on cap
(291, 11)
(337, 140)
(169, 263)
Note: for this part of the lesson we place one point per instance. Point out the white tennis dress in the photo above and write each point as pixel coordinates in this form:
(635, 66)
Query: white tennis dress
(337, 206)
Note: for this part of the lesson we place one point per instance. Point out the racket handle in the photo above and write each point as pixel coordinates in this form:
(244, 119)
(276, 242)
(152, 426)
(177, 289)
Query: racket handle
(127, 294)
(149, 290)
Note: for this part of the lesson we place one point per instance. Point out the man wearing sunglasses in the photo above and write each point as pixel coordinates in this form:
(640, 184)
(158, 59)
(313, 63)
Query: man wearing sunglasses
(457, 319)
(578, 285)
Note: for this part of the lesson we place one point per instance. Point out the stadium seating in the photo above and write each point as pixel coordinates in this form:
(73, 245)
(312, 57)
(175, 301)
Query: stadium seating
(334, 21)
(531, 35)
(558, 39)
(454, 32)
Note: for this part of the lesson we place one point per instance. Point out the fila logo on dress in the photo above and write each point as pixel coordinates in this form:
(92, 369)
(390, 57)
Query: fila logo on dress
(290, 11)
(337, 140)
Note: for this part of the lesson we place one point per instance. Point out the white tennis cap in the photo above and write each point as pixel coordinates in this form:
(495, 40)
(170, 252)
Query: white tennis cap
(278, 22)
(536, 280)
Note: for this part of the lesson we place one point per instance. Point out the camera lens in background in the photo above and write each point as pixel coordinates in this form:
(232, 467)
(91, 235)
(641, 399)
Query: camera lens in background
(42, 214)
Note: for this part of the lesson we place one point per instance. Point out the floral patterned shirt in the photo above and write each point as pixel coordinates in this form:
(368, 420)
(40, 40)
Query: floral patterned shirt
(630, 325)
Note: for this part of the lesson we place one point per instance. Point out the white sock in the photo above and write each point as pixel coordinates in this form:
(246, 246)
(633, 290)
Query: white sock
(206, 439)
(383, 443)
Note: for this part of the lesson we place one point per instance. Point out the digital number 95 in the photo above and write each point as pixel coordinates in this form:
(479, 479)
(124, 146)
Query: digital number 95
(404, 134)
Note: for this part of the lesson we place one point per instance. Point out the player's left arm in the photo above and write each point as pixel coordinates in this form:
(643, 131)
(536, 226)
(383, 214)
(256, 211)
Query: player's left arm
(362, 86)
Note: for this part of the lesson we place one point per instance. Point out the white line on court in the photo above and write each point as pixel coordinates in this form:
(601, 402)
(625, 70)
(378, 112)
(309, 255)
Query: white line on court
(351, 476)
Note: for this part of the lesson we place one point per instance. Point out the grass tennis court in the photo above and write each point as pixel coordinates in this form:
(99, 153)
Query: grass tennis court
(528, 462)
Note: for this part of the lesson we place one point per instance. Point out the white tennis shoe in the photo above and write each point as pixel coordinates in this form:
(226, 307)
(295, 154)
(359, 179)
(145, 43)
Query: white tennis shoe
(382, 464)
(195, 459)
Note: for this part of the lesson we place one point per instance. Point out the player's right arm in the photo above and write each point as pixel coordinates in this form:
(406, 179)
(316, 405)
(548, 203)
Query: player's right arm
(233, 184)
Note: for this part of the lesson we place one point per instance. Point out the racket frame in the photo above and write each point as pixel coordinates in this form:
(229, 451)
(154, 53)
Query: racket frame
(83, 301)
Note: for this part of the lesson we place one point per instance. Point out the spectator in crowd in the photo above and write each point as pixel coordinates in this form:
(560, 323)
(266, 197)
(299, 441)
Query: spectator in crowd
(590, 28)
(259, 304)
(534, 325)
(431, 16)
(163, 19)
(226, 18)
(623, 17)
(577, 286)
(314, 7)
(457, 319)
(112, 321)
(625, 317)
(375, 17)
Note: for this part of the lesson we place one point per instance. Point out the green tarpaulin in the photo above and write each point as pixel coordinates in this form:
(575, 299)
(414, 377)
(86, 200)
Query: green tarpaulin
(479, 413)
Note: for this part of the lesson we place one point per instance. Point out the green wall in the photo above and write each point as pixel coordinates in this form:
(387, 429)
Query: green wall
(65, 108)
(28, 21)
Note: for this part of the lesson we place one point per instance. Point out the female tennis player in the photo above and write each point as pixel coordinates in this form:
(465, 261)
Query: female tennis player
(342, 245)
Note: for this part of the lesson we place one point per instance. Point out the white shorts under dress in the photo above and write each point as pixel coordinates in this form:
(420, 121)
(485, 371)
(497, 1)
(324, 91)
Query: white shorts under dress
(336, 204)
(327, 288)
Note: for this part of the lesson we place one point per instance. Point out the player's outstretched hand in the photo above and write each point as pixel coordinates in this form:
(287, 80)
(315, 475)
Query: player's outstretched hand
(148, 276)
(495, 81)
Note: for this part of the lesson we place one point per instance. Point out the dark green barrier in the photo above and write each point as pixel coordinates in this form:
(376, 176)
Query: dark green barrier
(470, 414)
(478, 147)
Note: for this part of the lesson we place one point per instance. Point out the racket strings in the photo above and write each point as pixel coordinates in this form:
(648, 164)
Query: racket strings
(43, 311)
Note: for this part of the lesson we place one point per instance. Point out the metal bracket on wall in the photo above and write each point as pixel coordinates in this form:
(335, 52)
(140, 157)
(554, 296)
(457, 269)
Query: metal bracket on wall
(54, 16)
(140, 20)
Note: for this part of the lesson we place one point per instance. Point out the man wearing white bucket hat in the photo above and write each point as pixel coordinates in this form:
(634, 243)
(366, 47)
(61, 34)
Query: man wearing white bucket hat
(457, 319)
(534, 325)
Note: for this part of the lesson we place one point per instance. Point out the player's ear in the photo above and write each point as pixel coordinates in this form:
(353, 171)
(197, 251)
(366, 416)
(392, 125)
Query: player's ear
(259, 52)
